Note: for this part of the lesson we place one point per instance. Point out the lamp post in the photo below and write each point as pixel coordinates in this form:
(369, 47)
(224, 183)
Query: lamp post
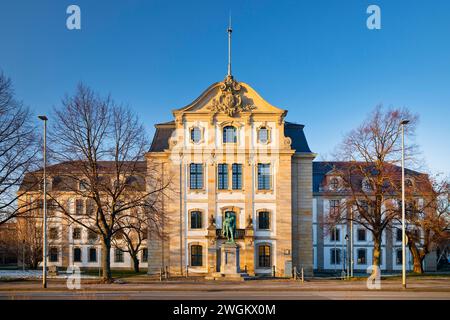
(351, 243)
(348, 262)
(44, 224)
(403, 123)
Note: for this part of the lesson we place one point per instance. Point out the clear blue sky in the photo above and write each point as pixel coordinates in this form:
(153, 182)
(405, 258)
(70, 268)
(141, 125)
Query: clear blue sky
(314, 58)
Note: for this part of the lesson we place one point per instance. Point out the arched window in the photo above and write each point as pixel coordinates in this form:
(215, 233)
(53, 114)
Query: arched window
(263, 135)
(57, 182)
(196, 220)
(231, 214)
(83, 185)
(196, 255)
(229, 134)
(409, 183)
(196, 135)
(367, 185)
(264, 257)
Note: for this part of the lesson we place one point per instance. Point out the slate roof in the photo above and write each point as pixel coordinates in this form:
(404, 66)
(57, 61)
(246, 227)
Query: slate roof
(31, 179)
(292, 130)
(162, 134)
(297, 135)
(321, 168)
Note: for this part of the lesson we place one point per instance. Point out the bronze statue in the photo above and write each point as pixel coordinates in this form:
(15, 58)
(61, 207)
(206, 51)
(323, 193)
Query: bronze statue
(229, 227)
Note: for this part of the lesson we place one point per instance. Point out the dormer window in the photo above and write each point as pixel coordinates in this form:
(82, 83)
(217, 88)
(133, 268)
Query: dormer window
(263, 135)
(334, 183)
(196, 135)
(409, 183)
(229, 134)
(83, 185)
(367, 185)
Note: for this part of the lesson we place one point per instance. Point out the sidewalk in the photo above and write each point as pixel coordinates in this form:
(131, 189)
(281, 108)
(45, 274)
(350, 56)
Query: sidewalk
(133, 284)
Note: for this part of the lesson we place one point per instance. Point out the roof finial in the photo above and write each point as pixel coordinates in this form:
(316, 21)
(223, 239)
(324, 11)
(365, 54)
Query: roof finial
(229, 30)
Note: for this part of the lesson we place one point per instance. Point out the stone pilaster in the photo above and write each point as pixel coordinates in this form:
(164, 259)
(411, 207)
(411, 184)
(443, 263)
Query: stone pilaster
(302, 213)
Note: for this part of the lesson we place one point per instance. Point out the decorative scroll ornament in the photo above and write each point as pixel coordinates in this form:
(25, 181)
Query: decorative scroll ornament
(230, 101)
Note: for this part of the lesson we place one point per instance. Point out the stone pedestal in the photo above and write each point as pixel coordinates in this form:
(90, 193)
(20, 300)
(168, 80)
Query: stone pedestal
(229, 264)
(229, 259)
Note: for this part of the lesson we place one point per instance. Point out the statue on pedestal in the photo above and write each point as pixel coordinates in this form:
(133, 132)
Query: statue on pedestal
(229, 227)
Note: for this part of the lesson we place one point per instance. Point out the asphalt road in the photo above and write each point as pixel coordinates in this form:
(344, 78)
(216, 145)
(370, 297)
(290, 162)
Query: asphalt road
(225, 295)
(424, 289)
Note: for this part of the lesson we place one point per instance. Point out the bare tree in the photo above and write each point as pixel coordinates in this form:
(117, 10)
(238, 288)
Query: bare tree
(100, 146)
(131, 234)
(30, 237)
(428, 221)
(133, 228)
(9, 245)
(371, 178)
(18, 149)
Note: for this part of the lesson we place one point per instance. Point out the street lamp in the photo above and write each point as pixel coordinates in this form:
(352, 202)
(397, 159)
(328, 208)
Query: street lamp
(44, 224)
(403, 123)
(346, 258)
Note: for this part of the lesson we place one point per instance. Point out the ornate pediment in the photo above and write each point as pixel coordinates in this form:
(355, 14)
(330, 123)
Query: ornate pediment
(229, 100)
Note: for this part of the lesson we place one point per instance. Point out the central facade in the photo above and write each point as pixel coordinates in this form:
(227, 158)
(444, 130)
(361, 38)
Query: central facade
(232, 153)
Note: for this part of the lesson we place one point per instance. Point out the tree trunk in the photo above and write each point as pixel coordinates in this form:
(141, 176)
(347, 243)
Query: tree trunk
(376, 253)
(136, 263)
(417, 258)
(106, 261)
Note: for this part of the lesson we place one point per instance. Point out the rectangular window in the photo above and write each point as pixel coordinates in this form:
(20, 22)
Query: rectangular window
(53, 233)
(196, 256)
(118, 255)
(196, 220)
(144, 255)
(53, 254)
(334, 207)
(92, 254)
(335, 234)
(79, 206)
(264, 176)
(90, 207)
(92, 236)
(361, 235)
(222, 176)
(399, 257)
(76, 255)
(335, 256)
(364, 207)
(361, 256)
(229, 134)
(264, 258)
(237, 176)
(264, 220)
(196, 176)
(76, 233)
(398, 235)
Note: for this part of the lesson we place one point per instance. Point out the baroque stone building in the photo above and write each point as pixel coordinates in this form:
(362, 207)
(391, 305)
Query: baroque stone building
(232, 152)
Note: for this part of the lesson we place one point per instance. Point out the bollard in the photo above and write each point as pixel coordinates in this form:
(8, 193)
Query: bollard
(273, 271)
(295, 273)
(160, 274)
(167, 273)
(245, 269)
(303, 276)
(187, 271)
